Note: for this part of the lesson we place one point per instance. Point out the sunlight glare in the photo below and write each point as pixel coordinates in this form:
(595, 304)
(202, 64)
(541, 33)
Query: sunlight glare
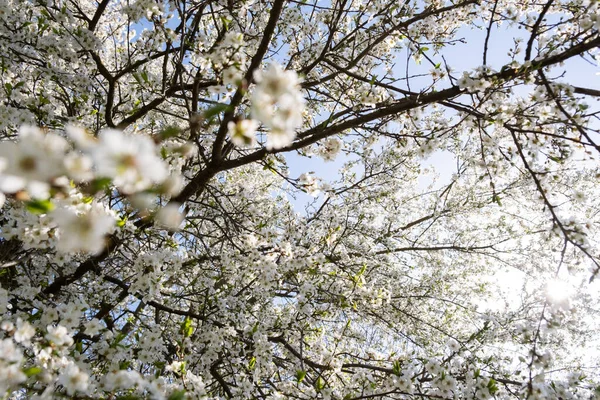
(559, 291)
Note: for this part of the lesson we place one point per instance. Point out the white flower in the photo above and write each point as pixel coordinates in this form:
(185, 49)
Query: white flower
(173, 185)
(310, 184)
(277, 139)
(275, 81)
(169, 217)
(278, 103)
(93, 327)
(453, 345)
(131, 161)
(233, 39)
(24, 332)
(73, 379)
(288, 115)
(79, 167)
(331, 147)
(122, 380)
(143, 201)
(9, 352)
(7, 326)
(32, 162)
(242, 133)
(11, 375)
(465, 81)
(176, 366)
(232, 75)
(83, 231)
(59, 335)
(83, 140)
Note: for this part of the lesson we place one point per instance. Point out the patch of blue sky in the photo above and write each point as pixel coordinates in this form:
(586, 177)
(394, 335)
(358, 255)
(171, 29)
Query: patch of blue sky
(463, 54)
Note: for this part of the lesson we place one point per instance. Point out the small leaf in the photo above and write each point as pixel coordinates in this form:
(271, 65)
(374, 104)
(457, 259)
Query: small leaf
(39, 206)
(319, 384)
(31, 371)
(186, 327)
(300, 375)
(397, 368)
(492, 388)
(137, 78)
(177, 395)
(98, 184)
(169, 132)
(212, 112)
(121, 222)
(496, 200)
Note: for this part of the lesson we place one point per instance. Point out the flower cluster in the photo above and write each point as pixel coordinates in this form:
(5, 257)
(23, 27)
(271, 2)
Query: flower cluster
(278, 103)
(43, 168)
(478, 81)
(41, 160)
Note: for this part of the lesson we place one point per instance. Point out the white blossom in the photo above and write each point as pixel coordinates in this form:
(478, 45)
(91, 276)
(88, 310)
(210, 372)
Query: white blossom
(83, 230)
(169, 216)
(243, 132)
(73, 379)
(278, 103)
(130, 160)
(59, 335)
(32, 162)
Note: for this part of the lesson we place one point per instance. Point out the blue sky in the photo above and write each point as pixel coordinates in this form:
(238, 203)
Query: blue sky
(460, 57)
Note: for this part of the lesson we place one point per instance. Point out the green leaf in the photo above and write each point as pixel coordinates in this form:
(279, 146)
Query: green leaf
(397, 368)
(300, 375)
(555, 159)
(177, 395)
(225, 22)
(186, 327)
(492, 387)
(215, 110)
(99, 184)
(169, 132)
(137, 78)
(118, 339)
(121, 222)
(319, 384)
(31, 371)
(252, 363)
(39, 206)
